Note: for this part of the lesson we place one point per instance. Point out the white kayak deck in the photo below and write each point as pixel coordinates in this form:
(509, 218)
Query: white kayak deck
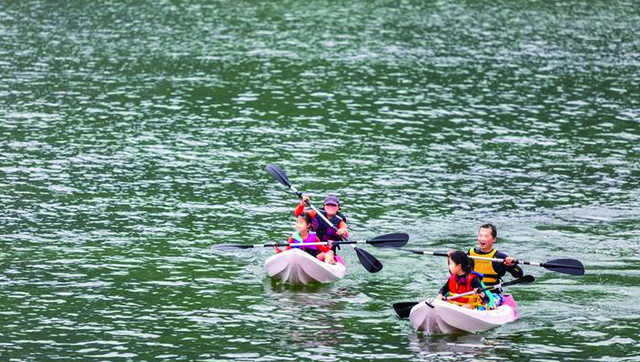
(445, 317)
(298, 267)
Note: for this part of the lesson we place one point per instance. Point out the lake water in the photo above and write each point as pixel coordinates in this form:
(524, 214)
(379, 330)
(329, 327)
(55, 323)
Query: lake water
(135, 136)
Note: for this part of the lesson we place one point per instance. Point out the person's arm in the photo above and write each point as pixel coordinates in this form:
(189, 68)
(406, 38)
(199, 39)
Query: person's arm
(343, 229)
(444, 290)
(300, 209)
(515, 270)
(323, 248)
(290, 241)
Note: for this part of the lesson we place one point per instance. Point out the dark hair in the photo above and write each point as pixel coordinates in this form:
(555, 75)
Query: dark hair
(462, 259)
(308, 219)
(494, 231)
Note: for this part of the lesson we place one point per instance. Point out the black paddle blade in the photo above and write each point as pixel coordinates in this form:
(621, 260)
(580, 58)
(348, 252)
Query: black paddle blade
(525, 279)
(566, 266)
(396, 240)
(232, 246)
(403, 309)
(279, 175)
(368, 261)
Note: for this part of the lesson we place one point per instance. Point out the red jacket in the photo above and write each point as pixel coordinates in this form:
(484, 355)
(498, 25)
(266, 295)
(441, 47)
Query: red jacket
(470, 283)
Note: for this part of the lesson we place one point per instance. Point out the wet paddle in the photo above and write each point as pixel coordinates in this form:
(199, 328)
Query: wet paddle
(566, 266)
(403, 309)
(367, 260)
(387, 240)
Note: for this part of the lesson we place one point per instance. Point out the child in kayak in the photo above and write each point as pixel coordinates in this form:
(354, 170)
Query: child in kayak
(325, 232)
(305, 234)
(493, 271)
(463, 280)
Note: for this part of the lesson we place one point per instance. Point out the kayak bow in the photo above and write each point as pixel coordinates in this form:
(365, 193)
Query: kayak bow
(295, 266)
(435, 316)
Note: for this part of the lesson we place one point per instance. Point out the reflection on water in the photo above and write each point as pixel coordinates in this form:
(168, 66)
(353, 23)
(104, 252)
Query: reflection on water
(458, 347)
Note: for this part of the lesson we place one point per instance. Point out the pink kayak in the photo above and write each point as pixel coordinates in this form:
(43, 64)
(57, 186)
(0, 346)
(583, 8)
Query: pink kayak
(298, 267)
(436, 316)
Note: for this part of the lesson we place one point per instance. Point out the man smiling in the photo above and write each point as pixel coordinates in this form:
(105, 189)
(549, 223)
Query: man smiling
(493, 271)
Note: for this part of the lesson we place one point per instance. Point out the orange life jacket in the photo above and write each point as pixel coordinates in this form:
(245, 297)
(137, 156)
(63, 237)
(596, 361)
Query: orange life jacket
(455, 288)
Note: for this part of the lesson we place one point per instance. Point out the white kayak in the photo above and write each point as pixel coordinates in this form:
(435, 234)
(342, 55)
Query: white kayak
(298, 267)
(445, 317)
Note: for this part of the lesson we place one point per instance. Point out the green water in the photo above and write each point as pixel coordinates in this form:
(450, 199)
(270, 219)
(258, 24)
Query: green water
(134, 137)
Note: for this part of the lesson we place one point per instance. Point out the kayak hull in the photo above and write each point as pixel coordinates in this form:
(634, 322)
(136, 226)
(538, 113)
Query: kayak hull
(445, 317)
(295, 266)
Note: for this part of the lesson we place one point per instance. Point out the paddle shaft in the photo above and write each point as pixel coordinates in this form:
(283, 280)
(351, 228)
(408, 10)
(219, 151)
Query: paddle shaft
(502, 260)
(549, 265)
(474, 292)
(468, 293)
(524, 279)
(544, 265)
(301, 244)
(439, 253)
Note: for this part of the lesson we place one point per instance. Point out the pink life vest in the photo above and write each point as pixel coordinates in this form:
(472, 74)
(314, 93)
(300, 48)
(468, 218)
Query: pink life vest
(311, 238)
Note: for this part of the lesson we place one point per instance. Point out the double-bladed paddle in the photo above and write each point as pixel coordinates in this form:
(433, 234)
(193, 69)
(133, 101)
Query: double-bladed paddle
(566, 266)
(367, 260)
(403, 309)
(387, 240)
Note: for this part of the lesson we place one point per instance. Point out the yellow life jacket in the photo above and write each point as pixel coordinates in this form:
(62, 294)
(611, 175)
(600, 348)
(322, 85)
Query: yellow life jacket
(485, 267)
